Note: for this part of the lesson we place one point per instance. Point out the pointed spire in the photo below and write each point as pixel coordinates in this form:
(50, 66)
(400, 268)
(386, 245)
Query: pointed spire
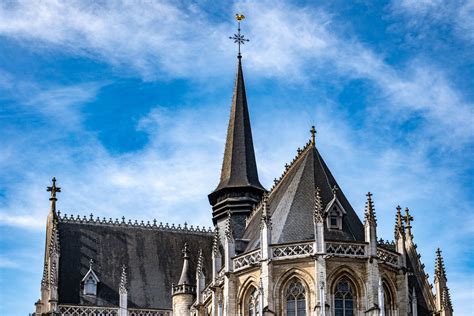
(399, 228)
(318, 207)
(239, 168)
(440, 271)
(123, 281)
(370, 210)
(185, 277)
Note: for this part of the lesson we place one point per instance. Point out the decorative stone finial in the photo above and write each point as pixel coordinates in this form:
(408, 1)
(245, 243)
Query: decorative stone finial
(399, 228)
(228, 228)
(239, 38)
(123, 281)
(440, 271)
(185, 251)
(200, 263)
(266, 218)
(53, 189)
(91, 263)
(370, 210)
(215, 242)
(313, 134)
(408, 219)
(318, 207)
(334, 190)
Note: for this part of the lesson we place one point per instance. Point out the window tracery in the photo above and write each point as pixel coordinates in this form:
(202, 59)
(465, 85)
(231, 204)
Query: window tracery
(295, 298)
(344, 298)
(253, 303)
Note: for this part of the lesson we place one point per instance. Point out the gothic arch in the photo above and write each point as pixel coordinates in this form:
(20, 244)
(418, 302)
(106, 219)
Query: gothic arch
(389, 289)
(247, 288)
(354, 279)
(284, 281)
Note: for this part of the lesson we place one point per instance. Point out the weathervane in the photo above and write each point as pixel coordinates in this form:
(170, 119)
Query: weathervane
(239, 38)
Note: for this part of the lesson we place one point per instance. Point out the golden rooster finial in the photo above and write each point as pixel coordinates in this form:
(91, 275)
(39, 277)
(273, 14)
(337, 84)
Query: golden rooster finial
(239, 17)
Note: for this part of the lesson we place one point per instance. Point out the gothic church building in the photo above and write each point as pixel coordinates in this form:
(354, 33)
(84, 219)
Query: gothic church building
(296, 249)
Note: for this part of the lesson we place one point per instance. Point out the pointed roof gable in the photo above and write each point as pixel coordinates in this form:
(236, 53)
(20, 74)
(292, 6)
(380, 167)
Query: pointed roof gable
(239, 168)
(291, 203)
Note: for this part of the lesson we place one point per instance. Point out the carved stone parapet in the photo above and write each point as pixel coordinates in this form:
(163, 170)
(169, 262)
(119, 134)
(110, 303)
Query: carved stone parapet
(346, 249)
(292, 250)
(247, 260)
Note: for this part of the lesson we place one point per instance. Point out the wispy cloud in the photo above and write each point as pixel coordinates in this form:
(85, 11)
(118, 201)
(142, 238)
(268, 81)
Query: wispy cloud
(171, 175)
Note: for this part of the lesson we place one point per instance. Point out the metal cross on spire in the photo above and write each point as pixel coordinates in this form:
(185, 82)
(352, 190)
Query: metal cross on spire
(239, 38)
(53, 189)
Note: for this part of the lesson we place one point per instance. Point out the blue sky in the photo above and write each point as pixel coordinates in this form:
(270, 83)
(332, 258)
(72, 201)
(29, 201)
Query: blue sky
(127, 105)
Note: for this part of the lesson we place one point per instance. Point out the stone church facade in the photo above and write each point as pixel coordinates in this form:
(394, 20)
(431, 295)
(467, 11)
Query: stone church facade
(296, 249)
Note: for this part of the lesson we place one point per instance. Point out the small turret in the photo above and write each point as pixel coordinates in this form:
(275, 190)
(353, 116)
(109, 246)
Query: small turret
(183, 293)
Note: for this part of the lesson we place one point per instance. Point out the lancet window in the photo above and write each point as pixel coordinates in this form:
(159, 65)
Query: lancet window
(388, 300)
(295, 298)
(344, 298)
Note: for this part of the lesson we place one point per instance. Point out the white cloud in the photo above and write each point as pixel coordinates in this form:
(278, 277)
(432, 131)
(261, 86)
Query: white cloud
(170, 178)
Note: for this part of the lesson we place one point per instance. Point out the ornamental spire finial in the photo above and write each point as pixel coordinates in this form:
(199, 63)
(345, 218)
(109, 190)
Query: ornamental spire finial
(313, 135)
(370, 210)
(239, 38)
(440, 270)
(399, 228)
(408, 219)
(185, 251)
(53, 189)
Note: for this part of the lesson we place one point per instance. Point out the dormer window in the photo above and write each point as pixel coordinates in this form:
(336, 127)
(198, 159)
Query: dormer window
(90, 282)
(334, 214)
(335, 218)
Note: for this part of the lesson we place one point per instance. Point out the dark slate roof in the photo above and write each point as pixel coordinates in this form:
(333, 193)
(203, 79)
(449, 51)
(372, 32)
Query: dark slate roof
(239, 168)
(291, 204)
(153, 257)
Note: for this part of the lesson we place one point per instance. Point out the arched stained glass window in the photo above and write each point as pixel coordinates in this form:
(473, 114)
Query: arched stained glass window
(295, 299)
(253, 303)
(344, 299)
